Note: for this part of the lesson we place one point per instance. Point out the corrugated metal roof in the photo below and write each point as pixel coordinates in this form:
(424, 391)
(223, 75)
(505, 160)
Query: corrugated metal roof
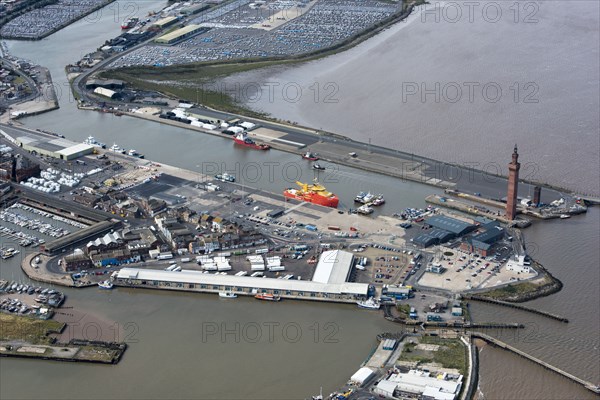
(243, 281)
(333, 267)
(490, 235)
(76, 149)
(105, 92)
(164, 21)
(449, 224)
(178, 33)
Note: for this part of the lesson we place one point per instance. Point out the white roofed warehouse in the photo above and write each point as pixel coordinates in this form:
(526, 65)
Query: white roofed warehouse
(334, 267)
(111, 94)
(53, 147)
(186, 280)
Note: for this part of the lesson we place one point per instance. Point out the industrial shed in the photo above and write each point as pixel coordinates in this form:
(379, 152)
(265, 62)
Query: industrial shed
(105, 92)
(483, 242)
(362, 376)
(54, 147)
(77, 237)
(165, 22)
(453, 225)
(104, 83)
(180, 34)
(76, 151)
(242, 285)
(194, 9)
(424, 240)
(334, 267)
(435, 236)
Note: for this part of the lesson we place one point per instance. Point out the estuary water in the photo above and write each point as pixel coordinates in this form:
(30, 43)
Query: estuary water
(459, 82)
(172, 354)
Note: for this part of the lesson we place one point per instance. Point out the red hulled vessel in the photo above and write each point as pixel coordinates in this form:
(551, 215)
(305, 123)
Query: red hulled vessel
(243, 140)
(315, 193)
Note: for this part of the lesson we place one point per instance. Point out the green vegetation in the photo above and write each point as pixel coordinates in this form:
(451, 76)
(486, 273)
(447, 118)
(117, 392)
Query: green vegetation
(404, 310)
(31, 330)
(19, 80)
(193, 82)
(96, 353)
(466, 311)
(451, 354)
(511, 291)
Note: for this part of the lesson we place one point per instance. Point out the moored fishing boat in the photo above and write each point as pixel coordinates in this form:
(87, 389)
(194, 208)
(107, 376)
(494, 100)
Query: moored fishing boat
(267, 297)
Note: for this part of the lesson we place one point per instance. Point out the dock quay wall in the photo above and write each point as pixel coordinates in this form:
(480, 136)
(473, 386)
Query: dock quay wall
(517, 306)
(473, 378)
(588, 385)
(198, 289)
(553, 286)
(452, 325)
(72, 353)
(41, 274)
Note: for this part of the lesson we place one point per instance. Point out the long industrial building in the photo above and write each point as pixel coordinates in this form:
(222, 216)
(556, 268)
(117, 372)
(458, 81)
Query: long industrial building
(241, 285)
(334, 267)
(180, 34)
(328, 284)
(53, 147)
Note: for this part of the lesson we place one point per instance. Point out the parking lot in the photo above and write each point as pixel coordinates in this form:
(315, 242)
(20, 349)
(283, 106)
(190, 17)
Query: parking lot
(467, 272)
(43, 21)
(383, 266)
(234, 33)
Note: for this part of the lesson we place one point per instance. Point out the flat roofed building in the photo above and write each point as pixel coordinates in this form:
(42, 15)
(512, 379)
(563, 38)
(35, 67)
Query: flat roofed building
(180, 34)
(76, 151)
(165, 22)
(362, 376)
(334, 267)
(452, 225)
(415, 383)
(54, 147)
(490, 236)
(243, 285)
(194, 9)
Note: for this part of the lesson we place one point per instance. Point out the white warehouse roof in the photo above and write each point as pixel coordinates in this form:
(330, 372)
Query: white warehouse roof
(76, 149)
(362, 375)
(333, 267)
(243, 281)
(105, 92)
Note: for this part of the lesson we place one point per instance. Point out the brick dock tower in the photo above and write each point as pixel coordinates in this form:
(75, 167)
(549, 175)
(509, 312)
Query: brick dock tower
(513, 181)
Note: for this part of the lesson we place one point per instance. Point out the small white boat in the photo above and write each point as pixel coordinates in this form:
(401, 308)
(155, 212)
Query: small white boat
(370, 304)
(365, 210)
(115, 147)
(105, 285)
(227, 295)
(225, 177)
(93, 142)
(565, 216)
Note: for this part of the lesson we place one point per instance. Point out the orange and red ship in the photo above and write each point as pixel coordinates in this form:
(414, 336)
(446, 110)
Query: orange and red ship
(315, 193)
(243, 140)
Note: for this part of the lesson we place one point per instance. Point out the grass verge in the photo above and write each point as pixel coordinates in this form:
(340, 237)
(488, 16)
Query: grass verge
(31, 330)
